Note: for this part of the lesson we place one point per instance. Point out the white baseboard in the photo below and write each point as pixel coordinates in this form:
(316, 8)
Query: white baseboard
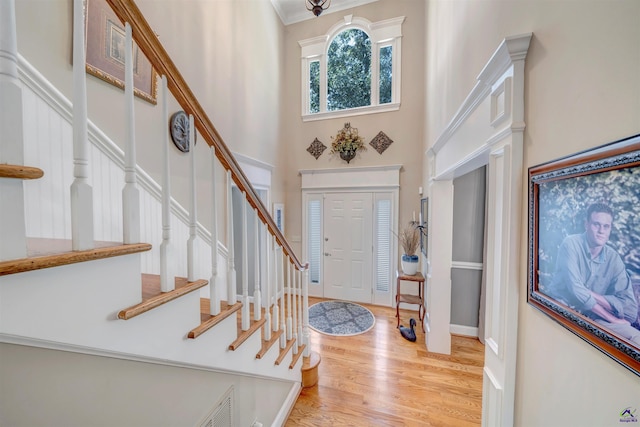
(469, 331)
(287, 405)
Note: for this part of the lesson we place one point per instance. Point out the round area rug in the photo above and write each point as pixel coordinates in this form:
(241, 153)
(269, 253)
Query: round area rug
(340, 318)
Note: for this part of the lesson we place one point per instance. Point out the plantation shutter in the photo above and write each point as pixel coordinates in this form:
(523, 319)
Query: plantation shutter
(314, 216)
(383, 244)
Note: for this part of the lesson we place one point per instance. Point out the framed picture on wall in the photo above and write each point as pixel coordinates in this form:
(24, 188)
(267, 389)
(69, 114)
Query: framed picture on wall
(105, 43)
(584, 246)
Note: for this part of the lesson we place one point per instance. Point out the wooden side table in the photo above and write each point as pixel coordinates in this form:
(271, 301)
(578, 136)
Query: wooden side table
(418, 278)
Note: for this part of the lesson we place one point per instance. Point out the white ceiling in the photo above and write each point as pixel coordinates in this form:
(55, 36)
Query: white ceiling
(291, 11)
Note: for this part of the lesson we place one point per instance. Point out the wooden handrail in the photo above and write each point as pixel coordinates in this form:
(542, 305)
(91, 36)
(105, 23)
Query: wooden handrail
(144, 36)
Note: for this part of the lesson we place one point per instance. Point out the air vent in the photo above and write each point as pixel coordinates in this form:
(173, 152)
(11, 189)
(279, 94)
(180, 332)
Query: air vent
(222, 413)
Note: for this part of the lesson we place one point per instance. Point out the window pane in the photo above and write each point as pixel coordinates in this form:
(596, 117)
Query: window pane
(349, 70)
(383, 245)
(315, 244)
(385, 74)
(314, 87)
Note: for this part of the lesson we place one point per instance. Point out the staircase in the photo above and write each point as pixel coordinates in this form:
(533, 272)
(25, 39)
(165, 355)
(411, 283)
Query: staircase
(75, 272)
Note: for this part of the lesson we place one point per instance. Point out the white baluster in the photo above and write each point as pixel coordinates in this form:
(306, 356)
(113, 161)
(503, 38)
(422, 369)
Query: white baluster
(246, 321)
(299, 321)
(289, 284)
(167, 261)
(232, 295)
(275, 319)
(305, 311)
(283, 336)
(130, 192)
(193, 221)
(81, 191)
(13, 244)
(266, 331)
(295, 312)
(214, 298)
(257, 295)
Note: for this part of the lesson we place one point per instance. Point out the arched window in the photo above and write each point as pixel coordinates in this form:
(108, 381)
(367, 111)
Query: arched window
(353, 69)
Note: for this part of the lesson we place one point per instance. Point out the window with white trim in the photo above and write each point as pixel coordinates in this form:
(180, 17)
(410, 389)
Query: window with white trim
(353, 69)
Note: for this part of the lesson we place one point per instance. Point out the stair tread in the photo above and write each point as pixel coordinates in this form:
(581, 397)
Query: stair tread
(244, 335)
(48, 253)
(152, 295)
(208, 321)
(297, 356)
(20, 172)
(311, 362)
(266, 345)
(284, 351)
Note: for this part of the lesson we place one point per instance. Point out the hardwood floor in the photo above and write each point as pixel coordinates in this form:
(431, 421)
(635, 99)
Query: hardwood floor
(380, 379)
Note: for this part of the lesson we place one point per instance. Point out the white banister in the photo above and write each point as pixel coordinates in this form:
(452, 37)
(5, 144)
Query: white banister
(246, 321)
(193, 221)
(81, 191)
(266, 331)
(305, 311)
(130, 192)
(257, 295)
(214, 298)
(167, 276)
(289, 320)
(13, 244)
(232, 296)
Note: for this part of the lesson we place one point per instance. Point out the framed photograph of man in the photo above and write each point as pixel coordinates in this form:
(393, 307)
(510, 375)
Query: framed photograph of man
(584, 246)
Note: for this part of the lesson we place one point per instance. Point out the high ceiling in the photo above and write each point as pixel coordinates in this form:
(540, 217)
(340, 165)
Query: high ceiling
(291, 11)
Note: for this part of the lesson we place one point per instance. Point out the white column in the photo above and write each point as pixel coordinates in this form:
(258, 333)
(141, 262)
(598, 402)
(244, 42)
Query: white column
(305, 312)
(257, 295)
(13, 244)
(232, 295)
(193, 221)
(81, 191)
(438, 286)
(130, 192)
(214, 298)
(167, 271)
(246, 320)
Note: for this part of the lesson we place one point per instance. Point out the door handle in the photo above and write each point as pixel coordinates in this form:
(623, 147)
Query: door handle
(327, 254)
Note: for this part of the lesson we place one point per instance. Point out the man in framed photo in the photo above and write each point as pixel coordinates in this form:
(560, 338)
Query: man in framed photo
(591, 278)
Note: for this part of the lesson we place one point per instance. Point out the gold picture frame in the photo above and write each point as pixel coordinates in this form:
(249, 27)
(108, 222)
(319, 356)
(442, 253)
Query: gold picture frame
(104, 47)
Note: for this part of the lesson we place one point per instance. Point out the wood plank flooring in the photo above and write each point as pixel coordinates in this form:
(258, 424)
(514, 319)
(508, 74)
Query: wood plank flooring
(381, 379)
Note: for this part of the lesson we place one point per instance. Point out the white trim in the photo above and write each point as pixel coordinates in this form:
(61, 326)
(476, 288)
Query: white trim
(92, 351)
(463, 265)
(358, 111)
(468, 331)
(360, 178)
(287, 405)
(241, 158)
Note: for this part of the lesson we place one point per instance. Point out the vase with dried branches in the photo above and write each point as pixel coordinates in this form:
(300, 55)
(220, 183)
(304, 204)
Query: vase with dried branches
(409, 238)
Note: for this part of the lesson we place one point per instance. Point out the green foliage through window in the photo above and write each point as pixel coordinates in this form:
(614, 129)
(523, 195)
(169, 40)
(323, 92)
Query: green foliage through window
(349, 70)
(314, 87)
(385, 74)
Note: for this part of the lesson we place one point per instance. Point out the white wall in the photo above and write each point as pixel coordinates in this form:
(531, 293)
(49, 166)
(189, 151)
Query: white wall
(57, 388)
(582, 89)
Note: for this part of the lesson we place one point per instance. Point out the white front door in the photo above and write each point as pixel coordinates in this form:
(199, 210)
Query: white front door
(348, 250)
